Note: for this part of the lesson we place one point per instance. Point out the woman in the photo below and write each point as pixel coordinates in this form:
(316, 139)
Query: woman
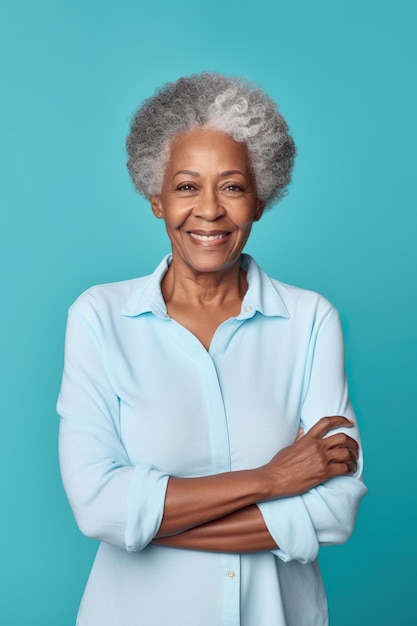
(207, 439)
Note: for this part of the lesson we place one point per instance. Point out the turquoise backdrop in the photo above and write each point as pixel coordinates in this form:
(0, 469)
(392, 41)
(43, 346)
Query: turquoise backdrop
(344, 73)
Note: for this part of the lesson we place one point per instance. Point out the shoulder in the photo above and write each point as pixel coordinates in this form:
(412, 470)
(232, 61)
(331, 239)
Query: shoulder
(308, 309)
(295, 302)
(110, 297)
(129, 297)
(298, 298)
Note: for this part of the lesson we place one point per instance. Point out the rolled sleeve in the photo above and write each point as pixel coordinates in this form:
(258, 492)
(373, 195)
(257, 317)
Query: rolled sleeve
(326, 514)
(112, 500)
(145, 513)
(291, 528)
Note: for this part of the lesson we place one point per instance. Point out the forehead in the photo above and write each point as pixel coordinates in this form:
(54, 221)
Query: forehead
(205, 146)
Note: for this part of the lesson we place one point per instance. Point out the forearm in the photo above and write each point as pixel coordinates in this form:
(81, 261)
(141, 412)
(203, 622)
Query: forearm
(191, 502)
(241, 531)
(311, 460)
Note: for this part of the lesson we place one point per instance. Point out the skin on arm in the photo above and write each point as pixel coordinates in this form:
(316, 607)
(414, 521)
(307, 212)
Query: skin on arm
(212, 503)
(241, 531)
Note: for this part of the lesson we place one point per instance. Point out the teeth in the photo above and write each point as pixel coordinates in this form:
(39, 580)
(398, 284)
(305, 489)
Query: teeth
(207, 237)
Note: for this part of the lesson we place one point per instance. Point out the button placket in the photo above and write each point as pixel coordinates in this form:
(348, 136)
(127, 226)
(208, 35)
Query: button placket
(231, 590)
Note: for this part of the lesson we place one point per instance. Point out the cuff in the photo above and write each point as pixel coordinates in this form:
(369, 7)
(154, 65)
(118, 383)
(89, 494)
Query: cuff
(146, 499)
(290, 526)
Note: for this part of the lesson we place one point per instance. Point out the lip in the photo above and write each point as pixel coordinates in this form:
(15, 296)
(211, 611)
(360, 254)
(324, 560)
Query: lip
(208, 238)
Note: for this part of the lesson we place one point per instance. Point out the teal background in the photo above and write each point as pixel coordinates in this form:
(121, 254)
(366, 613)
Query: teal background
(72, 74)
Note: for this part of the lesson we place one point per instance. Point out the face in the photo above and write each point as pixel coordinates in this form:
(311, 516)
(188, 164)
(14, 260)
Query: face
(208, 201)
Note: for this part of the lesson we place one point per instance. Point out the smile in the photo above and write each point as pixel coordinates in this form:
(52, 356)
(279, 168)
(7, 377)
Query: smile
(208, 237)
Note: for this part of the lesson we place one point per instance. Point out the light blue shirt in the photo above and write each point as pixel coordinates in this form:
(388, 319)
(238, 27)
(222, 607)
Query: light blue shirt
(142, 400)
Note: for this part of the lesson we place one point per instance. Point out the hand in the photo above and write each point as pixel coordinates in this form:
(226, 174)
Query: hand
(313, 458)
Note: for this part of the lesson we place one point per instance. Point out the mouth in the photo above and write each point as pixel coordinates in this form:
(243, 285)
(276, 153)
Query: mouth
(211, 237)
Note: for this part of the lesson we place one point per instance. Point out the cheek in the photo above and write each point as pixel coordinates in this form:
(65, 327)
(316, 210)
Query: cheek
(244, 214)
(243, 221)
(176, 214)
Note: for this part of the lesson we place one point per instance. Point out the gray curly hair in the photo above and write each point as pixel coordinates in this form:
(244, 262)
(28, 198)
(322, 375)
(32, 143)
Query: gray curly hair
(229, 105)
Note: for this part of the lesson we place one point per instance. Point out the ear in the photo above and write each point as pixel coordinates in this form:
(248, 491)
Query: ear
(156, 205)
(259, 210)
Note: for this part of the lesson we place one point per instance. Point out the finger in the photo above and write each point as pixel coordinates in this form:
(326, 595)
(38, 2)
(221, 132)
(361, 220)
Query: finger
(343, 461)
(343, 455)
(299, 434)
(326, 424)
(341, 440)
(342, 469)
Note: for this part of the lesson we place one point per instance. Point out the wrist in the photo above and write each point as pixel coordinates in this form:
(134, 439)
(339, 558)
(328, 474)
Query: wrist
(264, 485)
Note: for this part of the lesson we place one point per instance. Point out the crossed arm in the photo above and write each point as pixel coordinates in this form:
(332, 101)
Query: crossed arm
(305, 494)
(219, 513)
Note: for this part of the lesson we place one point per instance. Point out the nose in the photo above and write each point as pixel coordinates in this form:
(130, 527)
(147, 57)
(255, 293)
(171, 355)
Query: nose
(209, 205)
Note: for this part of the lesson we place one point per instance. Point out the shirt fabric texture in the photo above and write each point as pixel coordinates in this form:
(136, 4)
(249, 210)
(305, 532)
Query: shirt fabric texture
(142, 400)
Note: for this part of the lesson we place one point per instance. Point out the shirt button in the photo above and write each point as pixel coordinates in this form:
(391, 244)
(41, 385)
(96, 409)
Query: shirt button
(231, 574)
(248, 308)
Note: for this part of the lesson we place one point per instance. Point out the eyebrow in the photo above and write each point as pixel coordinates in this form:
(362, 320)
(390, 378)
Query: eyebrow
(231, 172)
(195, 174)
(188, 172)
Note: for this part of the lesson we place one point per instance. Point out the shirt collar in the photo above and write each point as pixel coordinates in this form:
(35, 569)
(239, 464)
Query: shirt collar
(262, 294)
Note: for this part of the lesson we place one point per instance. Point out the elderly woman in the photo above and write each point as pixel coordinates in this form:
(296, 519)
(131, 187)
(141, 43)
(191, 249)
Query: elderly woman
(207, 439)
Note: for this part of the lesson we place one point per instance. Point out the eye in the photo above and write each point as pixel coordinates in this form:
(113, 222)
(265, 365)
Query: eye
(233, 188)
(185, 187)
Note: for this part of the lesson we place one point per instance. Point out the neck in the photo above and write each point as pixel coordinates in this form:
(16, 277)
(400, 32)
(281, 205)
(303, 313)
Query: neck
(183, 284)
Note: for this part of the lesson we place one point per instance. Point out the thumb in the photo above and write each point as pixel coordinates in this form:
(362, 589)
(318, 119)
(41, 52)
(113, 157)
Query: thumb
(300, 433)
